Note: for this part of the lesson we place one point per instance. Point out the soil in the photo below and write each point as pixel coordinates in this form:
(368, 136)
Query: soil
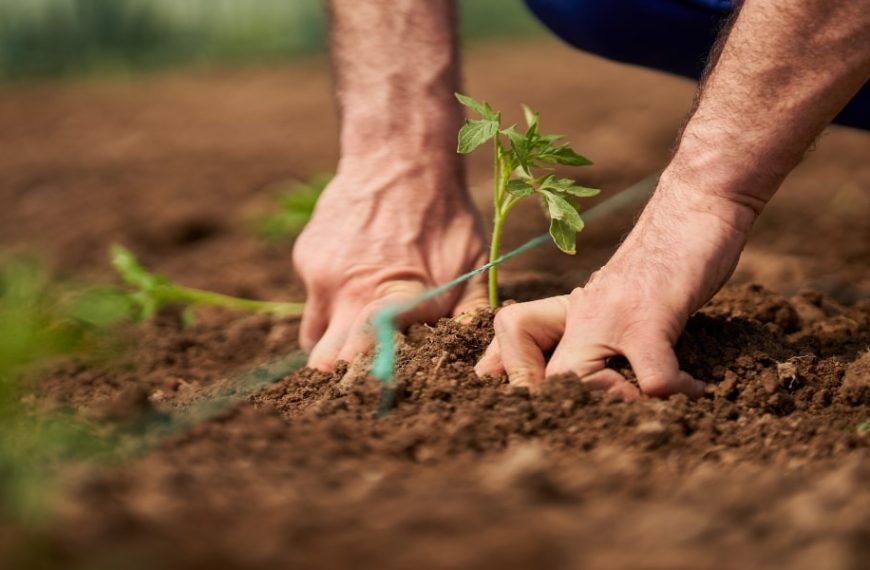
(768, 469)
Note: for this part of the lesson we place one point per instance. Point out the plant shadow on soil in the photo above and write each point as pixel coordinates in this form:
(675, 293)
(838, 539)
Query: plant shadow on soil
(768, 469)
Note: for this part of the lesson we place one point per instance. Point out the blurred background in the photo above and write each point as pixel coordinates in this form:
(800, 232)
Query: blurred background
(74, 37)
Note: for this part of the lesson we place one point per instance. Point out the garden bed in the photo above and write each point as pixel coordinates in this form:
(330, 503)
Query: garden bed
(769, 469)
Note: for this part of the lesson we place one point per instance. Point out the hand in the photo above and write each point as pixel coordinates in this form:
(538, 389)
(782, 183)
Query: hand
(382, 233)
(682, 250)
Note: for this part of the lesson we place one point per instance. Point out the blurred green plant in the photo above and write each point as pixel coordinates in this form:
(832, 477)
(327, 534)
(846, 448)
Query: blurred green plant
(154, 292)
(41, 319)
(69, 37)
(294, 208)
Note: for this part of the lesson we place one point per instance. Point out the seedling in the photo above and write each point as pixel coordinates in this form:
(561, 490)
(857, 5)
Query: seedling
(522, 166)
(154, 292)
(295, 207)
(40, 320)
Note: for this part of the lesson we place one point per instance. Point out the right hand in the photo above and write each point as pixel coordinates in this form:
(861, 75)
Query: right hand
(382, 233)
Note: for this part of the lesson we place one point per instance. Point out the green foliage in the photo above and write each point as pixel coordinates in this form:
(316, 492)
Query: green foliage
(41, 319)
(295, 207)
(153, 292)
(69, 37)
(863, 427)
(522, 165)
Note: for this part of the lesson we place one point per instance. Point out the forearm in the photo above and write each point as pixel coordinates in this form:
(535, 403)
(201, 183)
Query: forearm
(784, 72)
(396, 69)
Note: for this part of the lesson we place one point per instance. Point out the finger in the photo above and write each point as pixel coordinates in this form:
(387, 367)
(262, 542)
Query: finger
(657, 370)
(474, 297)
(315, 319)
(361, 334)
(325, 352)
(524, 332)
(579, 353)
(610, 380)
(490, 363)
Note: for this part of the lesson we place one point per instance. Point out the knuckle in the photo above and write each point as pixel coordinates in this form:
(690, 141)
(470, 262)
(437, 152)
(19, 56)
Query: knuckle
(658, 385)
(508, 319)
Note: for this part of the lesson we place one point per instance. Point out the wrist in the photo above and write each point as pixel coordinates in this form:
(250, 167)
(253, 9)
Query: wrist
(683, 248)
(401, 130)
(721, 165)
(685, 192)
(399, 189)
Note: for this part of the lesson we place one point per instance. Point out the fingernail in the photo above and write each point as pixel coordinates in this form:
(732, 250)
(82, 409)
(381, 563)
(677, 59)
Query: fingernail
(464, 318)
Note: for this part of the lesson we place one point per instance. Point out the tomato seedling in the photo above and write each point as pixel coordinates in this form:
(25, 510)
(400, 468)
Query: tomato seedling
(522, 167)
(153, 292)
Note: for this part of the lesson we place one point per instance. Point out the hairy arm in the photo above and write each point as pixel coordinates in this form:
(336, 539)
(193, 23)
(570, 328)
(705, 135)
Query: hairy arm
(396, 69)
(785, 69)
(397, 218)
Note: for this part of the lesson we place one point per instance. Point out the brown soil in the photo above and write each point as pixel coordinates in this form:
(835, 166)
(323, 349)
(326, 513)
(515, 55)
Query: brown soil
(767, 470)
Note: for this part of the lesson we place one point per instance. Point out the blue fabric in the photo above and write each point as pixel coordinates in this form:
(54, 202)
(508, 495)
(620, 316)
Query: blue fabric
(670, 35)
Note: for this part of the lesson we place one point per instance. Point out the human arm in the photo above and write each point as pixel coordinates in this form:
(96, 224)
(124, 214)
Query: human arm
(397, 218)
(784, 71)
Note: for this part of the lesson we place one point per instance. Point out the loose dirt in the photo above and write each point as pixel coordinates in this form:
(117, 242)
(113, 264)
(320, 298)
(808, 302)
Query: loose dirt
(768, 469)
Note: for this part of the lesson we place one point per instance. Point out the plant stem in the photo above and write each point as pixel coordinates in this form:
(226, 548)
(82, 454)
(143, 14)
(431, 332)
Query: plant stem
(200, 297)
(497, 222)
(494, 248)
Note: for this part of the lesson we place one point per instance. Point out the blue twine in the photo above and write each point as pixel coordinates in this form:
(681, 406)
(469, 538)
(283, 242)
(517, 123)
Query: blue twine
(383, 322)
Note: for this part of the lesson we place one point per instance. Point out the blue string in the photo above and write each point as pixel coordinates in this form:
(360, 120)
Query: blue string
(383, 322)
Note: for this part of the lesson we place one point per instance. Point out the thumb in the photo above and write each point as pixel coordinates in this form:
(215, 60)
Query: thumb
(474, 297)
(658, 372)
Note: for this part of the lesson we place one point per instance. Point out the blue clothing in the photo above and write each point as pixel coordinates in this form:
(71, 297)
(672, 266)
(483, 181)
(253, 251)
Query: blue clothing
(670, 35)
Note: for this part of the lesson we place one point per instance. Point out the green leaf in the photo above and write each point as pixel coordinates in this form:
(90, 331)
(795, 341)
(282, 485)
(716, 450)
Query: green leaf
(550, 182)
(520, 188)
(519, 146)
(100, 306)
(295, 207)
(563, 236)
(564, 154)
(131, 271)
(532, 118)
(482, 107)
(582, 191)
(567, 186)
(559, 208)
(475, 133)
(548, 140)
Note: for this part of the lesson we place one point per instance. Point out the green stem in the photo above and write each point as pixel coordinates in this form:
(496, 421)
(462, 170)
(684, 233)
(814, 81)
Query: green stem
(200, 297)
(497, 221)
(494, 250)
